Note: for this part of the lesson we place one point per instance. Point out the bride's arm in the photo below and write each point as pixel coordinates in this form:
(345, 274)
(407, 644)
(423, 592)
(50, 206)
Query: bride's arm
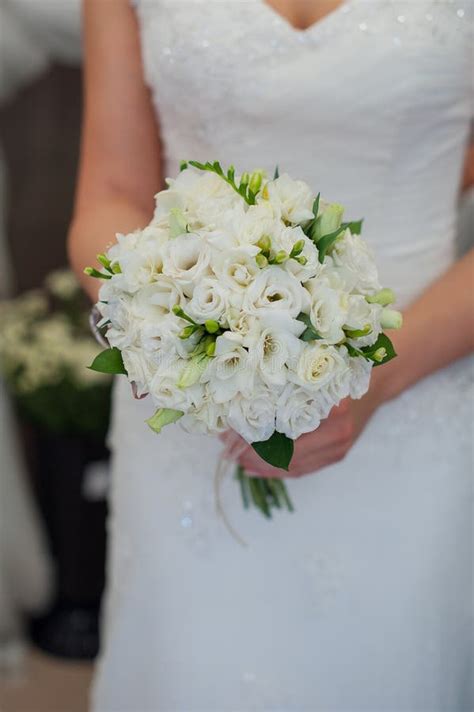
(120, 154)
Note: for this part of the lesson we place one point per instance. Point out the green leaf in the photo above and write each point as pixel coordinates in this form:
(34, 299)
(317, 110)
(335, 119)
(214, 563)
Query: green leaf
(109, 361)
(355, 226)
(316, 205)
(276, 174)
(310, 333)
(327, 242)
(277, 450)
(162, 417)
(383, 342)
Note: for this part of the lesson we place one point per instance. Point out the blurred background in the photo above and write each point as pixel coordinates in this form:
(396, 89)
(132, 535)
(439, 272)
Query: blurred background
(53, 412)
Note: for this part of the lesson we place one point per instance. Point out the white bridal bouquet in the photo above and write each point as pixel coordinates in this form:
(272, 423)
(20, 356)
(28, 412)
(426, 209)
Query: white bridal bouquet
(247, 303)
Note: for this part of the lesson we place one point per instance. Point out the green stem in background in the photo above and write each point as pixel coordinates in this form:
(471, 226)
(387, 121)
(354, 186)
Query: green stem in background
(263, 493)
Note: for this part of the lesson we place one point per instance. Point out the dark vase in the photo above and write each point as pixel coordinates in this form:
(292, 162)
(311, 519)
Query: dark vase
(75, 524)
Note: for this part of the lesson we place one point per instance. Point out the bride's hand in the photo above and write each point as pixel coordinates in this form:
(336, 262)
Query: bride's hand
(313, 451)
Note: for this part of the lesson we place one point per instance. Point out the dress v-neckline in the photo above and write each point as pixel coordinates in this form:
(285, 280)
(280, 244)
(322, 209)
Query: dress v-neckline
(316, 25)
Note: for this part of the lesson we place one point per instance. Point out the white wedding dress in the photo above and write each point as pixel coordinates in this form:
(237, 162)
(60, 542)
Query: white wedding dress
(361, 601)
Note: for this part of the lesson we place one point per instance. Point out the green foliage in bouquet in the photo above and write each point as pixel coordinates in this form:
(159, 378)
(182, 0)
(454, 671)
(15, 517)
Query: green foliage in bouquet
(45, 340)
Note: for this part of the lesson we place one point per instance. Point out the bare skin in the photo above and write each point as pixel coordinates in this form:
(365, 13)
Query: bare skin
(120, 171)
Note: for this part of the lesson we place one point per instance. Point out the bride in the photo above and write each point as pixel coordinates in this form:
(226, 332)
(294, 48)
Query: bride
(362, 599)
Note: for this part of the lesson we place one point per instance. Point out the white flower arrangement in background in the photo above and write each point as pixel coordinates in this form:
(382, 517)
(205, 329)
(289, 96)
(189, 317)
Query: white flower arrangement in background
(45, 341)
(246, 303)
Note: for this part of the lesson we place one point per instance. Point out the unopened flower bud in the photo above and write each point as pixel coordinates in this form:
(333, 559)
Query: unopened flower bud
(280, 257)
(380, 354)
(298, 248)
(255, 181)
(357, 333)
(211, 348)
(212, 326)
(391, 319)
(265, 244)
(384, 297)
(104, 261)
(301, 259)
(244, 178)
(261, 260)
(327, 222)
(187, 332)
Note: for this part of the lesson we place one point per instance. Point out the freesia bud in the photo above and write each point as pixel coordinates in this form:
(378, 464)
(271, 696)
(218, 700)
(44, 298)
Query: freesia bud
(391, 319)
(298, 248)
(244, 178)
(384, 297)
(380, 354)
(301, 259)
(261, 260)
(212, 326)
(104, 261)
(265, 244)
(281, 257)
(187, 331)
(255, 181)
(211, 348)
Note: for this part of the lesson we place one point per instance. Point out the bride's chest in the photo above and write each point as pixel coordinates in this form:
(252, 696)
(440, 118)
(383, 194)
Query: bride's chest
(241, 52)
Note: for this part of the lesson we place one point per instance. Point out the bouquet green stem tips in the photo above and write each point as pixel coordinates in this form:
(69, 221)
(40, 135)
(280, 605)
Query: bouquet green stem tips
(264, 493)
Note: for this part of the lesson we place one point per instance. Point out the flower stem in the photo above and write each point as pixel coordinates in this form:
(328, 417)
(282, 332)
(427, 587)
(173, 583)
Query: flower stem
(263, 493)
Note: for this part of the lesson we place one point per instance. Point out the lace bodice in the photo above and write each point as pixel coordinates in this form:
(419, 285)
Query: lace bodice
(371, 105)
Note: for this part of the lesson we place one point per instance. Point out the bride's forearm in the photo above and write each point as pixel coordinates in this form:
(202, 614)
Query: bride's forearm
(94, 229)
(438, 328)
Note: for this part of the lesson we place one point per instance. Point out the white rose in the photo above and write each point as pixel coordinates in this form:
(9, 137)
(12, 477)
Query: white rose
(352, 253)
(318, 364)
(253, 418)
(298, 411)
(274, 289)
(293, 198)
(186, 260)
(236, 268)
(209, 301)
(328, 310)
(230, 371)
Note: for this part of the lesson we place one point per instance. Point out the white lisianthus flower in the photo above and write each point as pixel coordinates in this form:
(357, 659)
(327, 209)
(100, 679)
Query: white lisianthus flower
(162, 336)
(140, 257)
(209, 418)
(360, 372)
(245, 328)
(274, 350)
(229, 372)
(353, 254)
(362, 316)
(153, 301)
(318, 364)
(298, 411)
(186, 260)
(236, 268)
(260, 220)
(253, 418)
(276, 290)
(293, 198)
(165, 390)
(209, 301)
(140, 367)
(328, 310)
